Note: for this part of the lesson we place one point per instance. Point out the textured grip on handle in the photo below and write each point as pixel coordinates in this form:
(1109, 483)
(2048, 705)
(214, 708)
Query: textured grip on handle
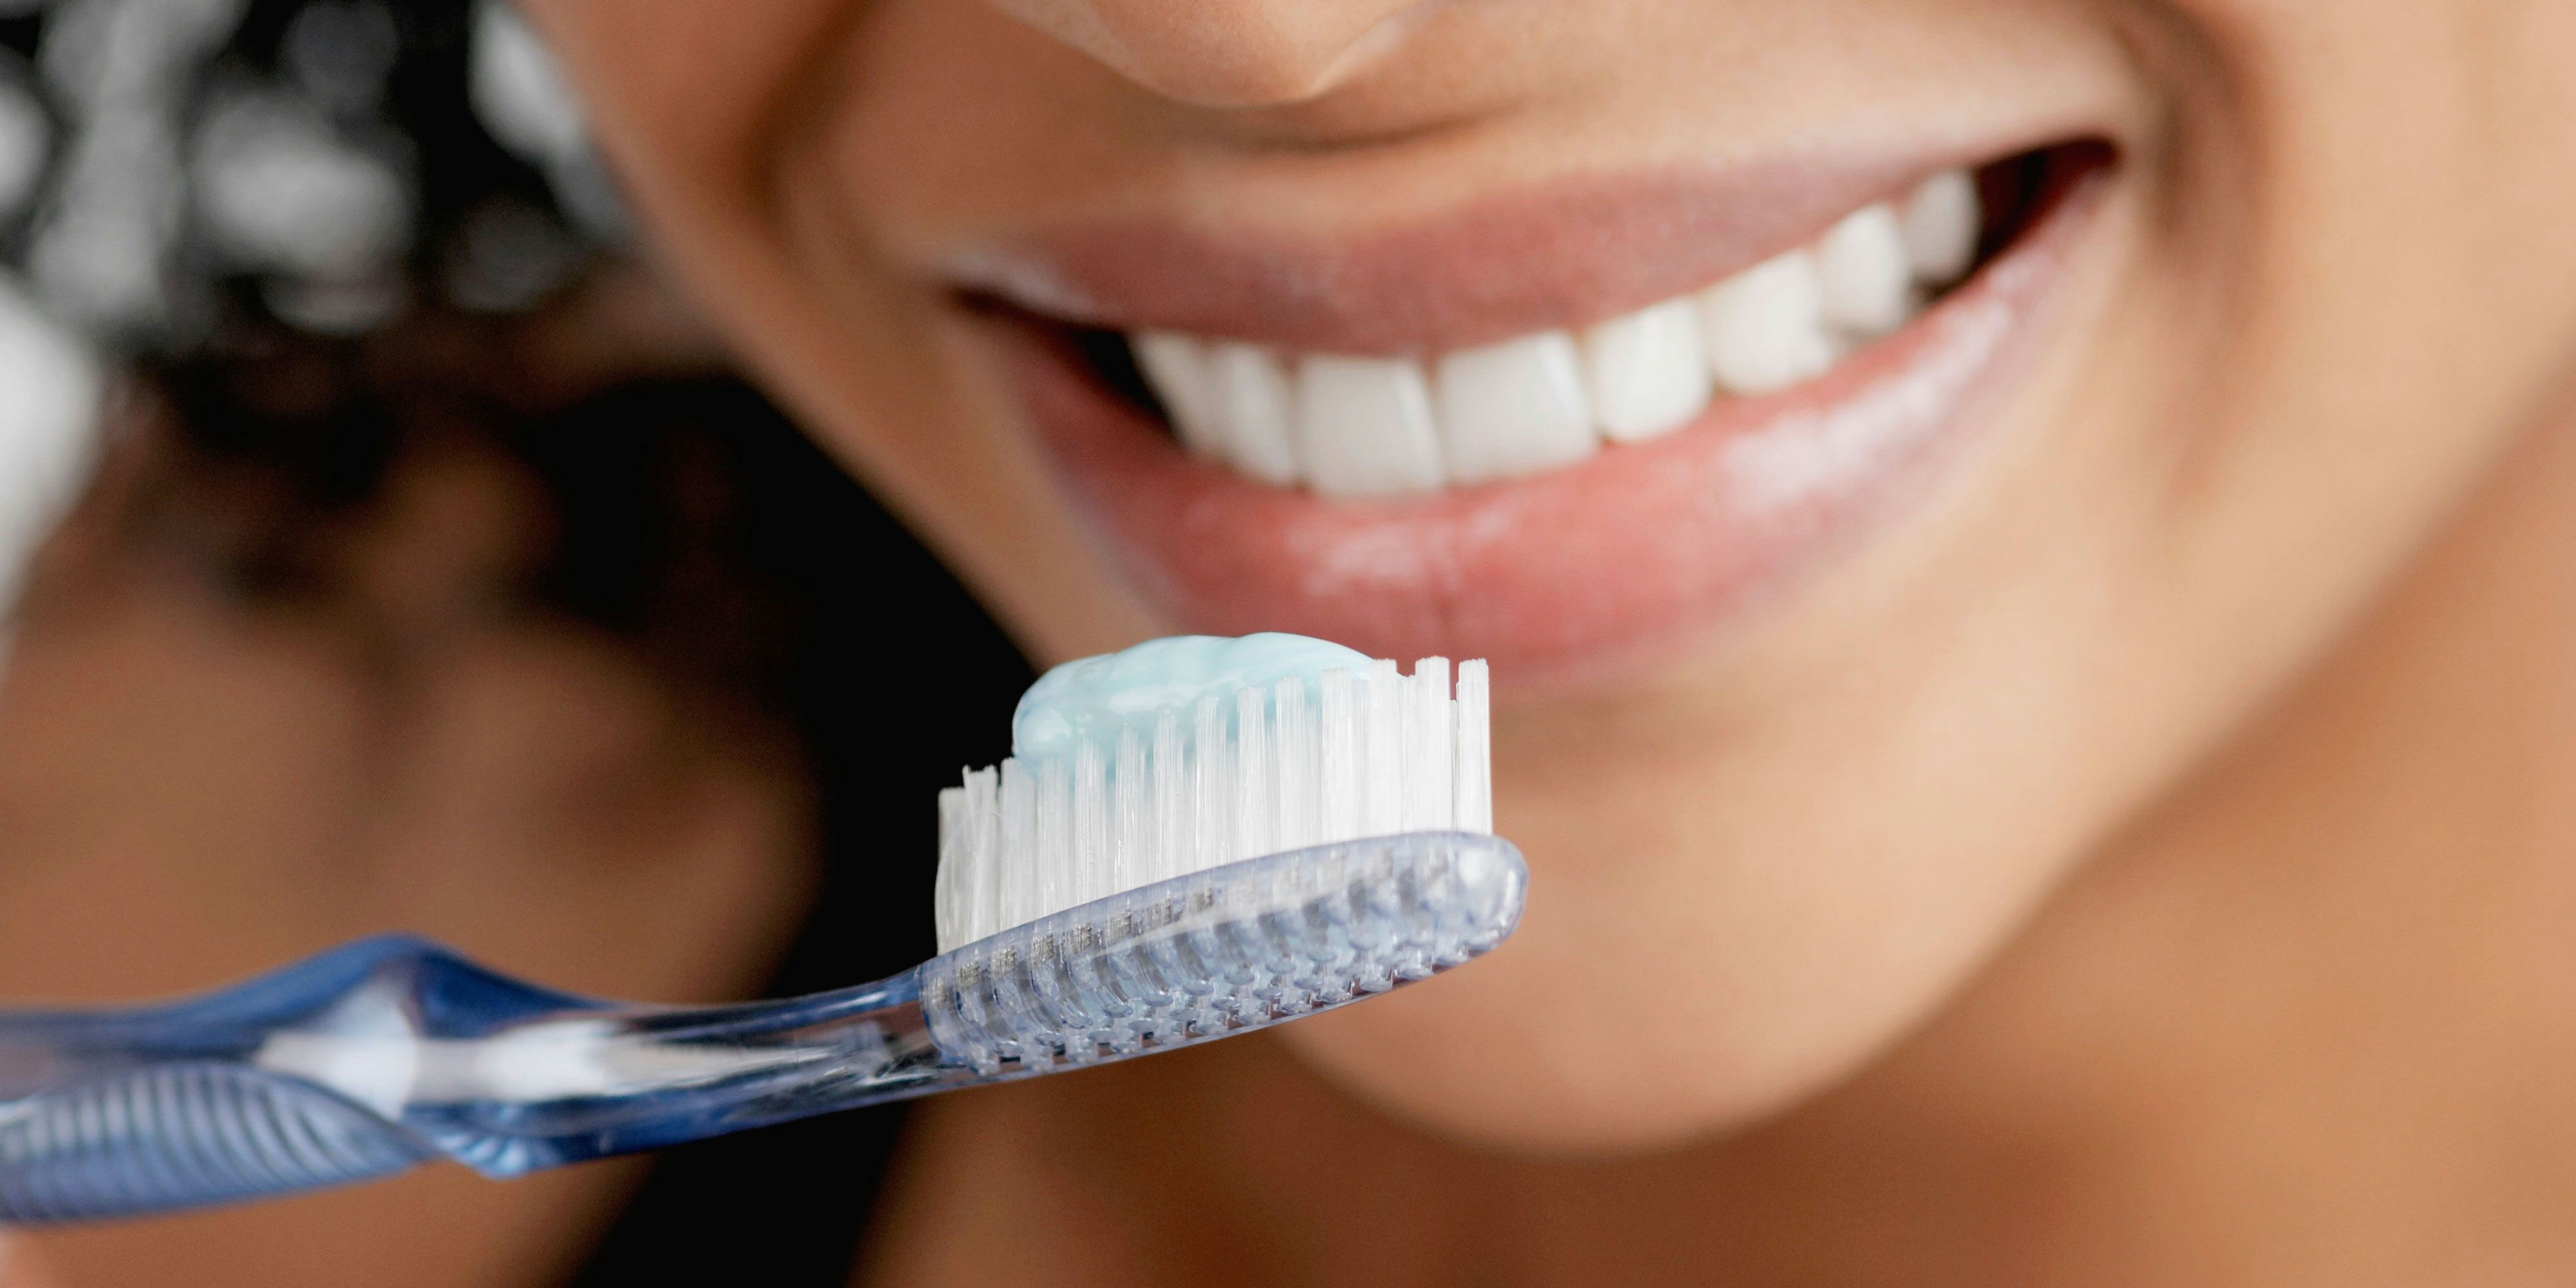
(182, 1135)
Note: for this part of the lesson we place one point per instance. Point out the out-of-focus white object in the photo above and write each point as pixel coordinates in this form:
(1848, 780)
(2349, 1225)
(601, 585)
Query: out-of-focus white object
(50, 393)
(101, 54)
(519, 92)
(327, 306)
(278, 190)
(103, 240)
(24, 139)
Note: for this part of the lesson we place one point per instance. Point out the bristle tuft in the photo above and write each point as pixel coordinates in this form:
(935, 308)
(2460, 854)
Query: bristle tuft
(1231, 776)
(1475, 748)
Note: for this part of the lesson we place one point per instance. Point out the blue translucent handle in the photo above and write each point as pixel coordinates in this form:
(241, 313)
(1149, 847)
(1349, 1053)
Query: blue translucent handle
(370, 1058)
(182, 1135)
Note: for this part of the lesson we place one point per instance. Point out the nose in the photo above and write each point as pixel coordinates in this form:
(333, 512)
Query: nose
(1223, 53)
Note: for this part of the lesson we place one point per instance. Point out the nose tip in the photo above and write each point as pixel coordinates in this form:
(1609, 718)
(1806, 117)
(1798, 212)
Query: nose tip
(1221, 53)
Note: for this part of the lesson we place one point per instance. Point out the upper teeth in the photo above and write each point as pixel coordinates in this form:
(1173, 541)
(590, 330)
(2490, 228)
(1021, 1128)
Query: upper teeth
(1359, 426)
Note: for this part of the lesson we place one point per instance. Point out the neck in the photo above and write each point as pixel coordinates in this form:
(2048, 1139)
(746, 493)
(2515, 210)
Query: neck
(2305, 1022)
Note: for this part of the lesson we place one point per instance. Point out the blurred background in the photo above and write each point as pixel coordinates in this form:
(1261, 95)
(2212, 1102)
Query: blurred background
(387, 547)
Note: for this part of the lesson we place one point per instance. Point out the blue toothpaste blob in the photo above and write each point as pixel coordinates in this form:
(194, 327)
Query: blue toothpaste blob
(1095, 697)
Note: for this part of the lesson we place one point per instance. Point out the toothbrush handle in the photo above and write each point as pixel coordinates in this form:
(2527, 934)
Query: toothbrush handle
(183, 1135)
(373, 1057)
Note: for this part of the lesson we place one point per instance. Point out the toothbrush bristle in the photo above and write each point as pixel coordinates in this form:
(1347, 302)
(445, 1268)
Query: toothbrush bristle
(1231, 777)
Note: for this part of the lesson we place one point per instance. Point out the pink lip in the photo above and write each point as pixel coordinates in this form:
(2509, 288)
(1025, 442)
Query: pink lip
(1563, 574)
(1562, 253)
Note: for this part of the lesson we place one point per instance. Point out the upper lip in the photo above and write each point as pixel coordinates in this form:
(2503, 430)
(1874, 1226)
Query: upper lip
(1565, 252)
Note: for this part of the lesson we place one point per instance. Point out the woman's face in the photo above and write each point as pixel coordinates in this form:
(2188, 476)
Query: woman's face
(1813, 681)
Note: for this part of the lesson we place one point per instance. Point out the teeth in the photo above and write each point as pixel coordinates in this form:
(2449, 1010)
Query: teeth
(1868, 286)
(1248, 399)
(1514, 408)
(1374, 427)
(1648, 371)
(1766, 325)
(1365, 425)
(1941, 224)
(1176, 366)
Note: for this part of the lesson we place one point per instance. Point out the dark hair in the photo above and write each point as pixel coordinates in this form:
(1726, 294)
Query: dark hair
(207, 133)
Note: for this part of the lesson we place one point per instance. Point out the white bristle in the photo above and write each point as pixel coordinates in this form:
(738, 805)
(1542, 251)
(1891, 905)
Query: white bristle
(1254, 789)
(1172, 816)
(982, 914)
(947, 906)
(1232, 776)
(1134, 821)
(1337, 805)
(1055, 836)
(1475, 748)
(1015, 896)
(1428, 794)
(1293, 726)
(1382, 733)
(1212, 753)
(1090, 867)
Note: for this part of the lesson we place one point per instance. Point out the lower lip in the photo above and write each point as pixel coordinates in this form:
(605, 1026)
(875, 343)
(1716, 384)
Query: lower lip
(1563, 576)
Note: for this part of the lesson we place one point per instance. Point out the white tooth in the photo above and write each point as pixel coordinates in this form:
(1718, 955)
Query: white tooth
(1648, 371)
(1867, 283)
(1513, 408)
(1942, 220)
(1364, 426)
(1249, 395)
(1765, 326)
(1176, 367)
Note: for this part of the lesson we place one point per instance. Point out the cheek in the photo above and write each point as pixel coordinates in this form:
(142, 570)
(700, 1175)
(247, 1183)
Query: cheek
(676, 86)
(2339, 307)
(725, 124)
(2386, 298)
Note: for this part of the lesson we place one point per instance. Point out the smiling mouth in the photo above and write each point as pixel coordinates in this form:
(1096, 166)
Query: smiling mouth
(1566, 456)
(1356, 426)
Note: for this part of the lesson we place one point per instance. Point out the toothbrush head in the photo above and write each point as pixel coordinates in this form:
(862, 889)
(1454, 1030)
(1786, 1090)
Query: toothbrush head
(1185, 755)
(1201, 836)
(1220, 952)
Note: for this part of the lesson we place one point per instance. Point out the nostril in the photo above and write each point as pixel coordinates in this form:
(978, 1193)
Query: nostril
(1223, 53)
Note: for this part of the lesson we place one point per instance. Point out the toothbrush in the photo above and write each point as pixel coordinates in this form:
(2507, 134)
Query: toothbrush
(1241, 851)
